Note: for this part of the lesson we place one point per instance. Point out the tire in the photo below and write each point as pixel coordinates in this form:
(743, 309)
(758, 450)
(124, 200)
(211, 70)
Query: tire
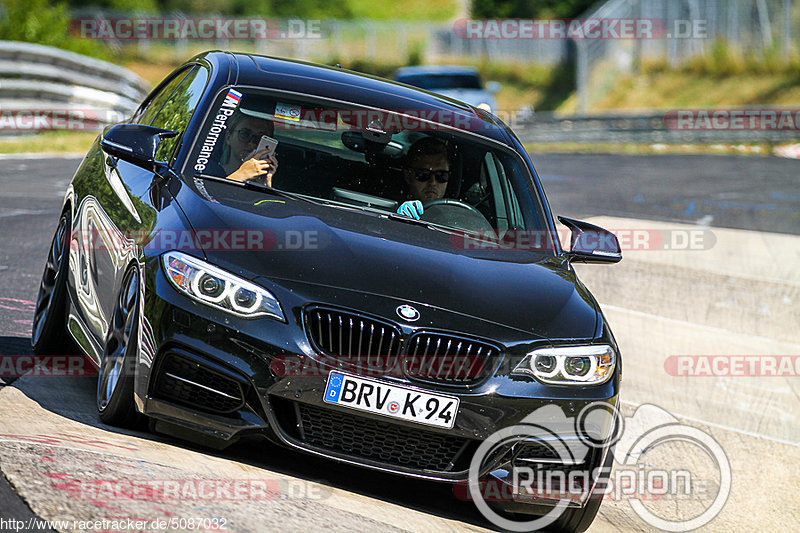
(115, 379)
(49, 334)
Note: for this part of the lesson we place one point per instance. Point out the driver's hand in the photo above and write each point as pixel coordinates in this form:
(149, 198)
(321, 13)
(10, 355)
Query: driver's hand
(256, 167)
(411, 208)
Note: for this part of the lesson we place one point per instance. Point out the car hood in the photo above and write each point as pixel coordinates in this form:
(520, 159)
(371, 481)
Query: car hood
(325, 249)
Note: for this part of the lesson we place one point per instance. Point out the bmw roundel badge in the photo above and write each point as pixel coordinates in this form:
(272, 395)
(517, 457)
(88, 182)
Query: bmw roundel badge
(406, 312)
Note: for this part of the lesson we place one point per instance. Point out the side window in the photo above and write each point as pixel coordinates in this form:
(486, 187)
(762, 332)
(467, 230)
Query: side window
(178, 108)
(490, 169)
(516, 219)
(150, 111)
(509, 212)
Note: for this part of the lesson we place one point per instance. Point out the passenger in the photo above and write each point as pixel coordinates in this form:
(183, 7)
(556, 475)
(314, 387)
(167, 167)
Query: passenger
(426, 173)
(241, 138)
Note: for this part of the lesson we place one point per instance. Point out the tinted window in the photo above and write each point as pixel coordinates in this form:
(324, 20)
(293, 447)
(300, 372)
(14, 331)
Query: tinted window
(331, 152)
(177, 110)
(152, 108)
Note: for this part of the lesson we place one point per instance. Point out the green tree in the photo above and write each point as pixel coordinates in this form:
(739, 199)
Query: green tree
(117, 5)
(530, 8)
(38, 21)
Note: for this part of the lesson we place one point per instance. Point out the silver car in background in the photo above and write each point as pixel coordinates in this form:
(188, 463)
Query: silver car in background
(456, 81)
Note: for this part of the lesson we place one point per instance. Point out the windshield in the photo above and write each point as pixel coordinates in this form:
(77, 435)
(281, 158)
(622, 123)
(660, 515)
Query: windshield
(432, 82)
(364, 159)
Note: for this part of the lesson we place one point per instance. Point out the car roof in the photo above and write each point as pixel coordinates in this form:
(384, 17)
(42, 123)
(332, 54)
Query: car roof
(435, 69)
(349, 86)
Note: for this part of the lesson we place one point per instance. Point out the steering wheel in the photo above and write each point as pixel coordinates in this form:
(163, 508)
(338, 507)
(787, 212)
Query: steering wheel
(454, 203)
(455, 213)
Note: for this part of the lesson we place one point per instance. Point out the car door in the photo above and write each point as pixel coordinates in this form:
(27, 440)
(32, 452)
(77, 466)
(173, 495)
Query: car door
(116, 211)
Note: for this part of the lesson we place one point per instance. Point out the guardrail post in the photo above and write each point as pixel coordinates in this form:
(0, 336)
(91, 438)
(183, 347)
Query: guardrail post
(372, 36)
(787, 29)
(401, 31)
(764, 26)
(637, 45)
(142, 41)
(336, 38)
(672, 42)
(180, 40)
(582, 75)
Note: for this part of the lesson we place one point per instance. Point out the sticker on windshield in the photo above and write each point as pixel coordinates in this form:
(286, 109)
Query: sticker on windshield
(223, 114)
(201, 188)
(233, 95)
(287, 112)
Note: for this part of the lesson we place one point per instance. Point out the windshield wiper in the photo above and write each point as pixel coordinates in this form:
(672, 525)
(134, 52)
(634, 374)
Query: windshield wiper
(429, 225)
(327, 203)
(258, 187)
(471, 234)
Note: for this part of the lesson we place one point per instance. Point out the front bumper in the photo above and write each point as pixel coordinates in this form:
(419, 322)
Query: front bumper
(289, 409)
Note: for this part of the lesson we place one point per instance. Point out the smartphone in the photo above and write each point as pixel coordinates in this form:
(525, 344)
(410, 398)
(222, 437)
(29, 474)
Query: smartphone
(266, 147)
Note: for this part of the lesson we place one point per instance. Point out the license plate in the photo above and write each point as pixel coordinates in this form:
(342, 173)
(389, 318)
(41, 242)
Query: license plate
(391, 400)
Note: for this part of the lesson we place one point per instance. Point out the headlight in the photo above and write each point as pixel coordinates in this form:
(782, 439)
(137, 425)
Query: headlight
(569, 365)
(217, 288)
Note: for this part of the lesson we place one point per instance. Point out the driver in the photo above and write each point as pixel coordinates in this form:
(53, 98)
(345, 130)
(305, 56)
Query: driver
(426, 173)
(242, 137)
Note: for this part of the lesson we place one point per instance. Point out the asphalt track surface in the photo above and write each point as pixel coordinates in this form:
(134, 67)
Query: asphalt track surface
(752, 193)
(715, 304)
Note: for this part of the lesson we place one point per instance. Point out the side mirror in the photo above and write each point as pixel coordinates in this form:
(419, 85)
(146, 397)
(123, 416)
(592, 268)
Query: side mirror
(493, 86)
(135, 143)
(590, 243)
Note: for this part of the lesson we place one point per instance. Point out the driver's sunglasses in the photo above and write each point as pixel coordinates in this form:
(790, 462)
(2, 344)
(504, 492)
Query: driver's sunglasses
(247, 136)
(424, 175)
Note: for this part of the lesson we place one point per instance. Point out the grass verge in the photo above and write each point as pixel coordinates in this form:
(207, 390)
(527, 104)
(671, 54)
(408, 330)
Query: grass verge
(686, 89)
(55, 142)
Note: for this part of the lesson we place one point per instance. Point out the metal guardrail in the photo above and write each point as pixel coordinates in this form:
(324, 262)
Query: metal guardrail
(38, 83)
(648, 128)
(56, 85)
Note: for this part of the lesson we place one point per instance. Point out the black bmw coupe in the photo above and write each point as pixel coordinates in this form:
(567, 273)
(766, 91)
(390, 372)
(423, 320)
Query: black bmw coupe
(238, 262)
